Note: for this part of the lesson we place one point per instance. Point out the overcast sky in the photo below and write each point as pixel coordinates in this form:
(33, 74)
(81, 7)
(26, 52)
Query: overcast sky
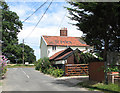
(49, 25)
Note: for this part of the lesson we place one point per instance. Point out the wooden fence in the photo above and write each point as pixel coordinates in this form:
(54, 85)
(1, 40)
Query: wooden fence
(76, 69)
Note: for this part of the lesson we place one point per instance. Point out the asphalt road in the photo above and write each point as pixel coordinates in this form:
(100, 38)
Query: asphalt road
(28, 79)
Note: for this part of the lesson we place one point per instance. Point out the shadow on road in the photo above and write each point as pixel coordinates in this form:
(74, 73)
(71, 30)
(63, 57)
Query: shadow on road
(73, 83)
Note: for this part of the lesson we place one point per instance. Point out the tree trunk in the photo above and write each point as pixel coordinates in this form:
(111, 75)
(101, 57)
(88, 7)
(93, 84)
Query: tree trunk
(105, 58)
(106, 45)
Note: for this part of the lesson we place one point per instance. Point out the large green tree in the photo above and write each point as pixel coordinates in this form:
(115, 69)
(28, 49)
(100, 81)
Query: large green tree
(100, 23)
(28, 54)
(11, 26)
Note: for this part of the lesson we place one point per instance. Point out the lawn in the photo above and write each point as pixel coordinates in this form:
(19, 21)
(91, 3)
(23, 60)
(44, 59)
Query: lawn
(92, 85)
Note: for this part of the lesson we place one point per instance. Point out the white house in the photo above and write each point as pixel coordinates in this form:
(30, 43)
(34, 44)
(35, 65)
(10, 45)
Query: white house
(49, 45)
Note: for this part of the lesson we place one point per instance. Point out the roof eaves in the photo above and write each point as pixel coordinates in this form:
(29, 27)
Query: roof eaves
(44, 40)
(62, 53)
(68, 55)
(71, 54)
(69, 46)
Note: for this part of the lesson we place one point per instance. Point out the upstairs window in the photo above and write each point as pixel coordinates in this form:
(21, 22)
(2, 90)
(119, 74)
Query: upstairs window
(53, 47)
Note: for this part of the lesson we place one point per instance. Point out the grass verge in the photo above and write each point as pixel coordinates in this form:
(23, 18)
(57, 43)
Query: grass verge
(92, 85)
(19, 65)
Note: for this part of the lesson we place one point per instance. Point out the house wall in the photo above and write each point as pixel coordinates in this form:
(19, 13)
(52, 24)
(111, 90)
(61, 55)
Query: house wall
(43, 49)
(70, 59)
(51, 52)
(61, 62)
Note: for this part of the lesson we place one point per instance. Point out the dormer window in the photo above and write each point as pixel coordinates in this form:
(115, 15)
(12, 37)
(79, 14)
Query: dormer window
(53, 47)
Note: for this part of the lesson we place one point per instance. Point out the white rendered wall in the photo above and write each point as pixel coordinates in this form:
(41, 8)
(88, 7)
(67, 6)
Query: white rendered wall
(43, 49)
(58, 48)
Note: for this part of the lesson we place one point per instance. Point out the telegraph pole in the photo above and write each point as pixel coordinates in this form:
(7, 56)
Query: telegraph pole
(23, 51)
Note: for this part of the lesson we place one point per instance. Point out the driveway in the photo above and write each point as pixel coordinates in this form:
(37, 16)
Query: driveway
(28, 79)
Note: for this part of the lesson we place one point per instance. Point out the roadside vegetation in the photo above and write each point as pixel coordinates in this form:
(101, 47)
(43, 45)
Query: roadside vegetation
(92, 85)
(18, 65)
(45, 67)
(3, 65)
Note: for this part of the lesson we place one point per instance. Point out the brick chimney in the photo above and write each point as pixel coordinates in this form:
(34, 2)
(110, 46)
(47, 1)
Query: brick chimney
(63, 31)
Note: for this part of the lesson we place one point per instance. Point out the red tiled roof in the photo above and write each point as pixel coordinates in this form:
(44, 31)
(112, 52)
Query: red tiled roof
(64, 41)
(60, 53)
(59, 58)
(56, 54)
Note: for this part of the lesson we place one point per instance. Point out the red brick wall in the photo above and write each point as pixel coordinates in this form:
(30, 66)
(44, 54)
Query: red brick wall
(70, 60)
(96, 71)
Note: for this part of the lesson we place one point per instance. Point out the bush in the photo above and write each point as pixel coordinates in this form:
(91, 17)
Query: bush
(3, 64)
(58, 73)
(45, 67)
(43, 64)
(112, 69)
(38, 64)
(50, 70)
(88, 57)
(4, 70)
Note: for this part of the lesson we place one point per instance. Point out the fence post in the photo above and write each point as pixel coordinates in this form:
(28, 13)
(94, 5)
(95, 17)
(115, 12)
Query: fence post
(65, 68)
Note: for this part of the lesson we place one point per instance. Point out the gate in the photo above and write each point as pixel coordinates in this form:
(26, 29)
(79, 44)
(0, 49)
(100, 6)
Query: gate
(76, 69)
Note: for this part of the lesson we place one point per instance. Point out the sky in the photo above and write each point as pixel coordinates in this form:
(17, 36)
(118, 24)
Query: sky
(55, 18)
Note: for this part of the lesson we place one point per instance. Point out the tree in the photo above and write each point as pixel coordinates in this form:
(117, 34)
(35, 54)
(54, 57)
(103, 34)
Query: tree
(100, 23)
(11, 26)
(28, 54)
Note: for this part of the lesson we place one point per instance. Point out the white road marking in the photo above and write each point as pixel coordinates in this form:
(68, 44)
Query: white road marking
(25, 74)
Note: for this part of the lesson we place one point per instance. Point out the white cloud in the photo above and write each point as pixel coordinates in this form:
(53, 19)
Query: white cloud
(22, 9)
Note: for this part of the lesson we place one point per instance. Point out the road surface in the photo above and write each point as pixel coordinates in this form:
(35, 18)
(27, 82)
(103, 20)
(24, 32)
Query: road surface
(28, 79)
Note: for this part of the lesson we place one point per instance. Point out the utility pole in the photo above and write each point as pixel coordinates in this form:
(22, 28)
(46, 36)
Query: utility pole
(23, 51)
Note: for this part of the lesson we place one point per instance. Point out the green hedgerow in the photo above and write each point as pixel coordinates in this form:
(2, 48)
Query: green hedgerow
(45, 67)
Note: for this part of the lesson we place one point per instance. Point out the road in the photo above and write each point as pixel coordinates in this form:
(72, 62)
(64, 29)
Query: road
(28, 79)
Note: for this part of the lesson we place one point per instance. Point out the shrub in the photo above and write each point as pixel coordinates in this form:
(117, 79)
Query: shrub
(50, 71)
(3, 64)
(43, 64)
(45, 67)
(38, 64)
(58, 73)
(88, 57)
(112, 69)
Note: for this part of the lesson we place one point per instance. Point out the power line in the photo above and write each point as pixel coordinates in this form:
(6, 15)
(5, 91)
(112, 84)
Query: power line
(35, 11)
(40, 19)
